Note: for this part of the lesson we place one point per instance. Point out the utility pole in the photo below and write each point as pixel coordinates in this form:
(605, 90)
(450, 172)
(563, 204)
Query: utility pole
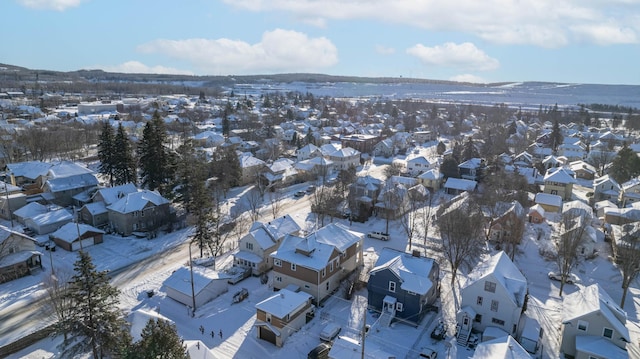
(363, 332)
(193, 292)
(77, 215)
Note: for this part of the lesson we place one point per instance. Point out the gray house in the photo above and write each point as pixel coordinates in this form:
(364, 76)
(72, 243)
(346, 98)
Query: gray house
(142, 211)
(403, 286)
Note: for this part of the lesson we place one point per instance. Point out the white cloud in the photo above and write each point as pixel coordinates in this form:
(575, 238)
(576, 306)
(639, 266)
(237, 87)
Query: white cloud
(461, 56)
(59, 5)
(468, 78)
(545, 23)
(605, 34)
(140, 68)
(383, 50)
(279, 50)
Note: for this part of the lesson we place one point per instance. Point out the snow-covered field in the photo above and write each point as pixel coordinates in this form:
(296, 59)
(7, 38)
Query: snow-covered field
(236, 321)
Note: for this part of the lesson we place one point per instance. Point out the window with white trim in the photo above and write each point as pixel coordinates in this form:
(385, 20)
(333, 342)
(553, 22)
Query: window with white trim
(324, 272)
(331, 266)
(392, 286)
(607, 333)
(489, 286)
(249, 246)
(277, 262)
(293, 267)
(494, 305)
(399, 307)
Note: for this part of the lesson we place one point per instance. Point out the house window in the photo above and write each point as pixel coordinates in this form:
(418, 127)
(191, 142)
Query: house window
(494, 305)
(277, 262)
(399, 307)
(293, 267)
(392, 286)
(268, 317)
(489, 287)
(331, 266)
(327, 285)
(278, 279)
(497, 321)
(478, 318)
(607, 333)
(141, 213)
(324, 272)
(249, 246)
(582, 325)
(479, 301)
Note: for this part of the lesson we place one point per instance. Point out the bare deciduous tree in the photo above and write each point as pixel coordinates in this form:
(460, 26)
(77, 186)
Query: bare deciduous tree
(418, 197)
(254, 201)
(568, 244)
(275, 203)
(460, 223)
(627, 254)
(56, 286)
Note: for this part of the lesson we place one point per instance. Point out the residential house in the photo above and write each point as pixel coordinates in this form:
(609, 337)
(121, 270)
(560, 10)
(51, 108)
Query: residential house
(384, 148)
(417, 165)
(255, 248)
(345, 158)
(624, 236)
(142, 211)
(11, 199)
(403, 286)
(423, 136)
(280, 173)
(364, 192)
(49, 221)
(307, 152)
(572, 151)
(360, 142)
(393, 200)
(500, 348)
(208, 139)
(18, 255)
(76, 236)
(66, 179)
(559, 182)
(456, 186)
(314, 167)
(95, 213)
(523, 159)
(472, 169)
(504, 220)
(583, 170)
(195, 286)
(251, 168)
(431, 179)
(615, 215)
(318, 262)
(579, 226)
(28, 175)
(593, 325)
(606, 188)
(281, 315)
(549, 202)
(536, 214)
(551, 161)
(493, 295)
(629, 192)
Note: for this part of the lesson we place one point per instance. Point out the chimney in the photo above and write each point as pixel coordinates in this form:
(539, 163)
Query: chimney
(415, 253)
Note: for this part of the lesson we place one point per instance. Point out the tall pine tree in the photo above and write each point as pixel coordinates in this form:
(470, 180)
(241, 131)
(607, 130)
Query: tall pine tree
(159, 340)
(155, 166)
(125, 162)
(106, 152)
(95, 323)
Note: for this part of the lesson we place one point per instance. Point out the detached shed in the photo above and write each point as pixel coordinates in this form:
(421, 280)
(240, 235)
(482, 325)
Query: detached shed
(207, 285)
(74, 236)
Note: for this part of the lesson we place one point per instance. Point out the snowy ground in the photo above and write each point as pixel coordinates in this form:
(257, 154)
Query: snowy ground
(236, 321)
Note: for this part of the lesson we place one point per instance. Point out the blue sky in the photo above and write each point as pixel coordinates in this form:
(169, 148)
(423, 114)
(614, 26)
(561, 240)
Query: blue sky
(575, 41)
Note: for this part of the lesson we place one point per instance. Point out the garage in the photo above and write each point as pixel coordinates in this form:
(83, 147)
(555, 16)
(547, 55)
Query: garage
(76, 236)
(87, 242)
(267, 335)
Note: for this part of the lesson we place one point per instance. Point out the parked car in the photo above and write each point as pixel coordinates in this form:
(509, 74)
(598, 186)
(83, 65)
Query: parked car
(428, 353)
(240, 295)
(311, 189)
(237, 274)
(440, 331)
(570, 279)
(378, 235)
(320, 352)
(329, 332)
(299, 194)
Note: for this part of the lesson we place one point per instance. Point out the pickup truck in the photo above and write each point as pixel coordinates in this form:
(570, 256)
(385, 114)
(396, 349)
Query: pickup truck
(378, 235)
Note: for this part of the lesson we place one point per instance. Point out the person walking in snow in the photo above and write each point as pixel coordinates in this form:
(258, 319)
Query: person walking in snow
(201, 329)
(213, 334)
(220, 333)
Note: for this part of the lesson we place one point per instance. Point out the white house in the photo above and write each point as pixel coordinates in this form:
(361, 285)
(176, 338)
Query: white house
(207, 285)
(594, 326)
(493, 295)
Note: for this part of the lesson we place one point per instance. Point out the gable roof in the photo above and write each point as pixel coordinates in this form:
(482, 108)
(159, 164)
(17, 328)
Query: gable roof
(71, 231)
(503, 347)
(137, 201)
(593, 299)
(412, 271)
(282, 303)
(180, 280)
(31, 170)
(560, 175)
(60, 184)
(111, 195)
(502, 269)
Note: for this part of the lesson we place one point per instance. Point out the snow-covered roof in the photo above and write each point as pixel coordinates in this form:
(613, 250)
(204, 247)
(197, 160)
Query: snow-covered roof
(282, 303)
(548, 199)
(137, 201)
(139, 319)
(471, 163)
(247, 161)
(6, 232)
(17, 257)
(537, 208)
(432, 174)
(53, 216)
(31, 170)
(69, 232)
(198, 350)
(460, 184)
(66, 169)
(559, 175)
(502, 269)
(60, 184)
(111, 194)
(345, 152)
(95, 208)
(180, 280)
(412, 271)
(591, 300)
(599, 347)
(30, 210)
(504, 347)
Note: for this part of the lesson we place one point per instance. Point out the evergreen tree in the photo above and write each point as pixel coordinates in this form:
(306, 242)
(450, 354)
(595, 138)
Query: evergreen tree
(125, 162)
(625, 166)
(106, 152)
(155, 165)
(449, 168)
(469, 150)
(556, 135)
(441, 148)
(94, 323)
(160, 340)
